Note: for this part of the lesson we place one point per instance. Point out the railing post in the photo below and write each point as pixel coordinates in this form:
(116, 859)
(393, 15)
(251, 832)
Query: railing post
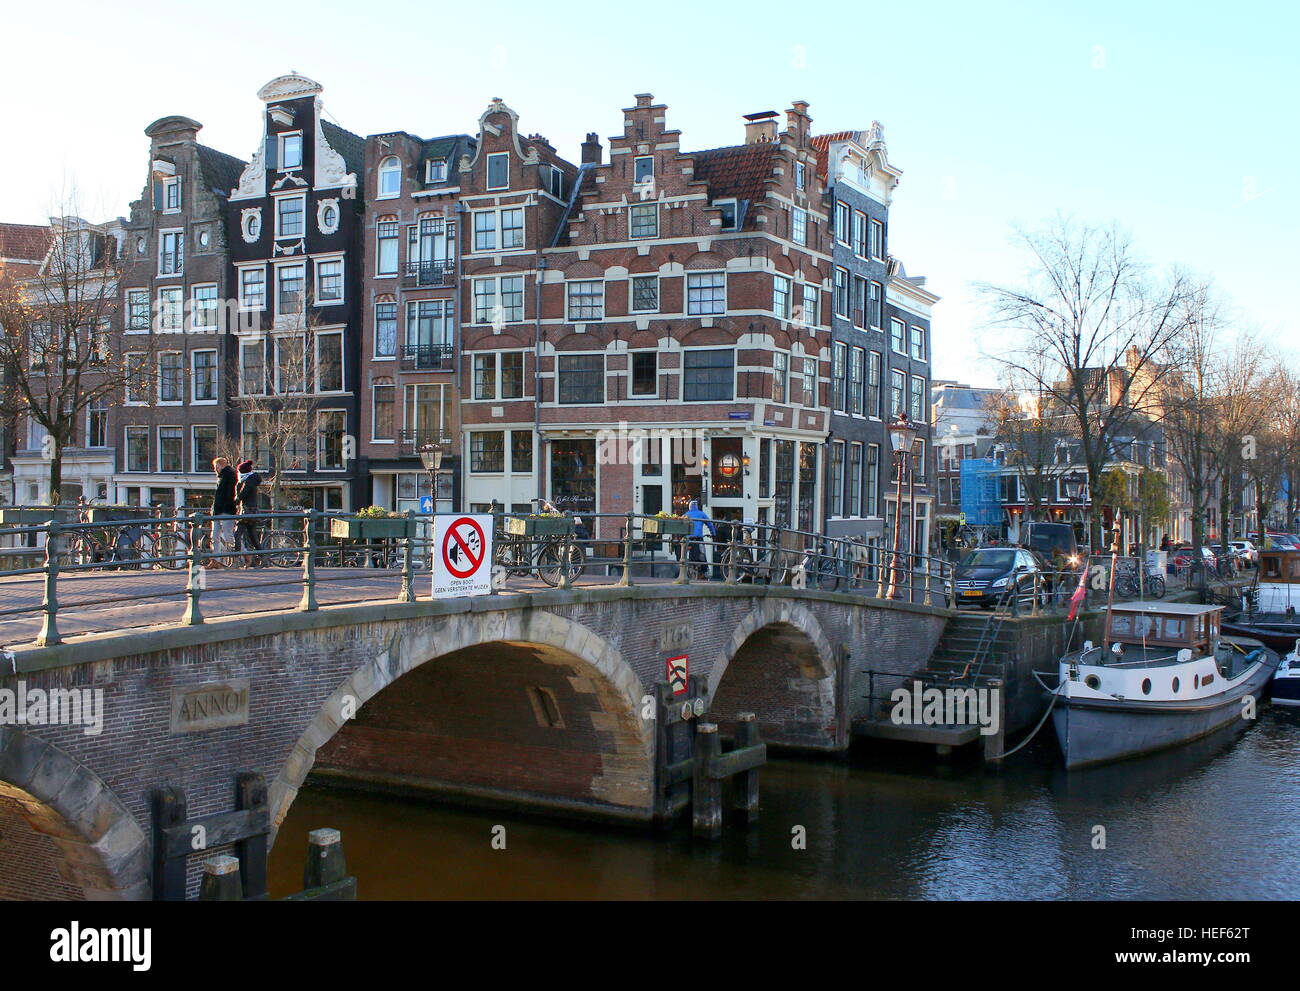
(730, 579)
(407, 594)
(1037, 590)
(195, 578)
(49, 635)
(928, 601)
(683, 551)
(308, 603)
(626, 580)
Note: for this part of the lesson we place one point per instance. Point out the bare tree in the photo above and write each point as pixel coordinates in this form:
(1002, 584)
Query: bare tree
(1029, 431)
(58, 358)
(1093, 331)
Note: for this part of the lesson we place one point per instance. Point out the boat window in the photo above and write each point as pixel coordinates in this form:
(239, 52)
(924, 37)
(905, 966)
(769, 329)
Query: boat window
(1146, 686)
(1175, 686)
(1121, 624)
(1175, 629)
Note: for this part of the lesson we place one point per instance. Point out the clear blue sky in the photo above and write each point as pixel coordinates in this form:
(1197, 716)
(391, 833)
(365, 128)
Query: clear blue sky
(1176, 119)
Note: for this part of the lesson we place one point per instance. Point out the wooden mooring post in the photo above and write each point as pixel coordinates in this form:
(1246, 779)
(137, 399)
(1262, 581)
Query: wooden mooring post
(324, 878)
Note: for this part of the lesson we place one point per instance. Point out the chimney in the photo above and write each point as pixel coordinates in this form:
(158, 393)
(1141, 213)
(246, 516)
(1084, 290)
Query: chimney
(760, 127)
(591, 150)
(798, 123)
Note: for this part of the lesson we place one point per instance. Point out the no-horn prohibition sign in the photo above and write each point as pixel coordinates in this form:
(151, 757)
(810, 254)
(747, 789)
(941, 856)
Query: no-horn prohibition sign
(462, 562)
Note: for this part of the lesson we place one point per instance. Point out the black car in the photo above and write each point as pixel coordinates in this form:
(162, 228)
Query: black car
(983, 576)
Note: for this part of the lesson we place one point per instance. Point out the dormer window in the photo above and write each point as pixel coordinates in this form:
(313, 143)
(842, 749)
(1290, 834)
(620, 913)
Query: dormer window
(728, 212)
(436, 170)
(390, 178)
(498, 171)
(290, 151)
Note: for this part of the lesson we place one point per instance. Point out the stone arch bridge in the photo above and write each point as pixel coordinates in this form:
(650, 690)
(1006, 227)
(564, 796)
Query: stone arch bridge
(536, 699)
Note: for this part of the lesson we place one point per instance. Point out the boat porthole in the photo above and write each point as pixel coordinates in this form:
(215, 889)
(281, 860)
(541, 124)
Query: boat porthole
(1196, 681)
(1146, 686)
(1175, 685)
(1093, 682)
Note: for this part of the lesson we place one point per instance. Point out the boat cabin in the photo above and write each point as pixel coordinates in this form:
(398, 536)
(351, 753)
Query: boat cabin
(1171, 626)
(1279, 567)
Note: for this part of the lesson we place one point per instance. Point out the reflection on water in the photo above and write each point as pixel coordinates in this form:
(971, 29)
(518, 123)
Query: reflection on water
(1217, 819)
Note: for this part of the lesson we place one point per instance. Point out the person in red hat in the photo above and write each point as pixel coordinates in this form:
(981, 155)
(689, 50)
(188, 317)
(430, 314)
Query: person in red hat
(246, 500)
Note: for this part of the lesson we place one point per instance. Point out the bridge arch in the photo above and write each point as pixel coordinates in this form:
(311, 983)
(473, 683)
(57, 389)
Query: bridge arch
(465, 644)
(63, 829)
(778, 664)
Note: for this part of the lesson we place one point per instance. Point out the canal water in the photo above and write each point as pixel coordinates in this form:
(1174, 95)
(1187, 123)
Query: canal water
(1219, 819)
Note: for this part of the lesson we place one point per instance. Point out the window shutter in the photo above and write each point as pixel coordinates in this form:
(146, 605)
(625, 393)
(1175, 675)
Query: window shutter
(157, 194)
(272, 152)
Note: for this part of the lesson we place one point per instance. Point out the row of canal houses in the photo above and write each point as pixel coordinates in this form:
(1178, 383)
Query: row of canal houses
(626, 333)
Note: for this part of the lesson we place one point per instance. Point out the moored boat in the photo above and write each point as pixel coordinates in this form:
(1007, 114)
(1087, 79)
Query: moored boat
(1286, 682)
(1270, 612)
(1164, 676)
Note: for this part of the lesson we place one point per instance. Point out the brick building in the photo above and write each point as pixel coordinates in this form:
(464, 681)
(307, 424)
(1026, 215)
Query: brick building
(293, 226)
(22, 249)
(410, 321)
(174, 284)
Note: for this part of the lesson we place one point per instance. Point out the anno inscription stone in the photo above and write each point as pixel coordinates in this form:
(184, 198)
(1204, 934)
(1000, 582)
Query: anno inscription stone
(211, 706)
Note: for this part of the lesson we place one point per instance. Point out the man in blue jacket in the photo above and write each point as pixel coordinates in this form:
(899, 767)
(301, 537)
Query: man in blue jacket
(696, 551)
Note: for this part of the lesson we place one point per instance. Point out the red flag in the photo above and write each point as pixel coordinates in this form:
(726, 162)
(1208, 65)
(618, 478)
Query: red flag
(1079, 593)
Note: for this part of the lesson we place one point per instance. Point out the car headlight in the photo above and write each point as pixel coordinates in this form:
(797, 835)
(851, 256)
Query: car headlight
(1001, 582)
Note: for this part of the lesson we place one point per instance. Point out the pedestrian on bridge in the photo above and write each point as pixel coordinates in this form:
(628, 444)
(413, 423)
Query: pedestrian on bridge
(701, 518)
(223, 512)
(247, 500)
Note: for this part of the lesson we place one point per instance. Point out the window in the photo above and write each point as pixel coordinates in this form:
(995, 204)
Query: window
(811, 294)
(512, 228)
(873, 480)
(252, 368)
(289, 214)
(553, 182)
(203, 447)
(917, 408)
(841, 292)
(97, 423)
(171, 253)
(252, 289)
(918, 343)
(643, 220)
(837, 478)
(841, 222)
(425, 416)
(290, 281)
(859, 233)
(171, 377)
(800, 175)
(137, 448)
(203, 372)
(382, 404)
(855, 480)
(487, 451)
(498, 171)
(728, 213)
(586, 300)
(780, 376)
(290, 151)
(330, 425)
(877, 240)
(171, 310)
(897, 391)
(329, 281)
(709, 376)
(171, 449)
(171, 195)
(329, 361)
(252, 225)
(876, 304)
(919, 461)
(857, 371)
(485, 376)
(507, 307)
(581, 378)
(485, 230)
(706, 293)
(521, 450)
(859, 302)
(645, 373)
(203, 312)
(643, 169)
(386, 235)
(390, 178)
(780, 297)
(896, 339)
(429, 325)
(810, 382)
(799, 226)
(435, 170)
(512, 375)
(645, 294)
(385, 330)
(137, 309)
(839, 358)
(290, 365)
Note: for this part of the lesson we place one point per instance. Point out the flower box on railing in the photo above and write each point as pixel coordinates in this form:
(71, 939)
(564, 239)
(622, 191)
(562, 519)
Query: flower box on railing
(371, 527)
(666, 526)
(539, 526)
(35, 515)
(110, 514)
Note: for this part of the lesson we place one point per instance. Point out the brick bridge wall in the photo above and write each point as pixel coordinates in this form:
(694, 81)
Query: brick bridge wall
(792, 657)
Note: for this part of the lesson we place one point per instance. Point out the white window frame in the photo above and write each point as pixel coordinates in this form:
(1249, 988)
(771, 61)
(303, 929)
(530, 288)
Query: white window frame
(735, 372)
(148, 311)
(706, 313)
(194, 447)
(279, 156)
(388, 165)
(735, 212)
(243, 299)
(876, 242)
(915, 331)
(158, 439)
(317, 366)
(317, 263)
(654, 394)
(843, 222)
(260, 343)
(169, 184)
(429, 171)
(636, 209)
(172, 293)
(898, 344)
(636, 161)
(195, 309)
(487, 171)
(604, 377)
(569, 286)
(374, 387)
(300, 263)
(163, 235)
(126, 447)
(194, 378)
(280, 235)
(799, 226)
(320, 439)
(279, 367)
(171, 402)
(782, 292)
(631, 294)
(396, 238)
(397, 327)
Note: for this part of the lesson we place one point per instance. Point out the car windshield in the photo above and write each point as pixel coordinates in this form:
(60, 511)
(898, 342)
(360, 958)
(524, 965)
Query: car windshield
(988, 559)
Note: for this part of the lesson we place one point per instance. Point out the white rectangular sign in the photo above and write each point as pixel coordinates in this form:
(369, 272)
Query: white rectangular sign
(462, 555)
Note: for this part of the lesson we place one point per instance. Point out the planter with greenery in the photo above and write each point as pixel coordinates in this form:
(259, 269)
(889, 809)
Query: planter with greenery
(540, 525)
(372, 523)
(665, 525)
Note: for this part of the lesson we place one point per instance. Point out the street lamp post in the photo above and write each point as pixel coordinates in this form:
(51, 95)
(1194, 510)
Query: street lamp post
(431, 458)
(902, 435)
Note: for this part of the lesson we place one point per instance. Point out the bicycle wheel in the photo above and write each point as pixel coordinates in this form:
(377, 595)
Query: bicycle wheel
(1156, 586)
(506, 554)
(550, 563)
(283, 550)
(170, 548)
(828, 572)
(737, 561)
